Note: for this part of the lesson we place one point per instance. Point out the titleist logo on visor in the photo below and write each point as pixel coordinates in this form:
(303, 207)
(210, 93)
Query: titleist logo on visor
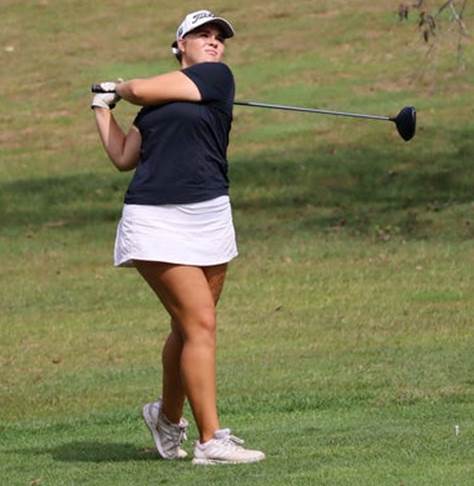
(202, 15)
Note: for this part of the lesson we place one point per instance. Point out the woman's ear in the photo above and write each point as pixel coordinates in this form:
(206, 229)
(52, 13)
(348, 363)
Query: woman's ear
(182, 44)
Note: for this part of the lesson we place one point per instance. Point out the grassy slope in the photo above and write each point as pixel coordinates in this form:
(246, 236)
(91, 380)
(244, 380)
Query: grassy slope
(345, 340)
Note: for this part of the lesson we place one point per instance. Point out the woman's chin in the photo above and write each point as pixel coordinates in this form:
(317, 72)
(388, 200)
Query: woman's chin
(210, 58)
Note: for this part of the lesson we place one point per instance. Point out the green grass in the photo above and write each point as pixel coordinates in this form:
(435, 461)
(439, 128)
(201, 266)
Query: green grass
(345, 329)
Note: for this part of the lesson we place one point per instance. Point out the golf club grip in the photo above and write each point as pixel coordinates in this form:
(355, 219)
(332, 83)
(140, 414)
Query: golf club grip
(97, 88)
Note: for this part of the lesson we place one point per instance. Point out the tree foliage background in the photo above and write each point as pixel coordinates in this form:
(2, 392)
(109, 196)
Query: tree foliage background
(440, 22)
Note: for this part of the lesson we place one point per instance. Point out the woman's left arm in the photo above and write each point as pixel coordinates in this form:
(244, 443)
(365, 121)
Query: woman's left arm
(122, 149)
(173, 86)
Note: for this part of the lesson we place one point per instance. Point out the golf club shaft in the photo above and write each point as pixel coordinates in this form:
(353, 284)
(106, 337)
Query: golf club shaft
(311, 110)
(97, 89)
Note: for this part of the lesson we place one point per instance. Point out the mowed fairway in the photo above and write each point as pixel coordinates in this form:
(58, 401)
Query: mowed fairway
(346, 326)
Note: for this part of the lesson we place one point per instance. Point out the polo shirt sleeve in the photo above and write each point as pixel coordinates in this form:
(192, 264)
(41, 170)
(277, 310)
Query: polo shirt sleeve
(214, 81)
(138, 118)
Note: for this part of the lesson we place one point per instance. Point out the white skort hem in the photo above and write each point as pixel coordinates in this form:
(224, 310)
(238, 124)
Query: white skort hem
(199, 234)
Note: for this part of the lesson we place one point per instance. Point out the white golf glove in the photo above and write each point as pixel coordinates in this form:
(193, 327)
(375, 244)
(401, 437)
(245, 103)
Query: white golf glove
(105, 100)
(109, 98)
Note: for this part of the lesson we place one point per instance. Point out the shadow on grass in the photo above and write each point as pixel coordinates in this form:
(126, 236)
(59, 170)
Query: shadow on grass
(61, 202)
(88, 451)
(358, 186)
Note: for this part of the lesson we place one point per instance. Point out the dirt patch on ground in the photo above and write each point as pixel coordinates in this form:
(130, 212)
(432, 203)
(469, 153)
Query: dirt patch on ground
(328, 14)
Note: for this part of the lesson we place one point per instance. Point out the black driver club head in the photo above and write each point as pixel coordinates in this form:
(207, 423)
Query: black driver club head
(405, 122)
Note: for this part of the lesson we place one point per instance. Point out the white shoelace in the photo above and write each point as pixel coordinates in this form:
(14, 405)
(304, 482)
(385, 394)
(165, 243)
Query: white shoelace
(231, 440)
(182, 434)
(175, 432)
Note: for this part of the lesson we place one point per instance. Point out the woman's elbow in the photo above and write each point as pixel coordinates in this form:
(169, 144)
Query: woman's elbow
(122, 165)
(125, 167)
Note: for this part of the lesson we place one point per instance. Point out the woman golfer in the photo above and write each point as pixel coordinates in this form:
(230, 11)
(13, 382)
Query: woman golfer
(176, 227)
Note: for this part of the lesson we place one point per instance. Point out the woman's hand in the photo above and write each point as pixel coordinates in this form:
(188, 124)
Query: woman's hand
(105, 100)
(109, 97)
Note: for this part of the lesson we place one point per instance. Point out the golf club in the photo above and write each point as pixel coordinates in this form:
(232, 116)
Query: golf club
(405, 121)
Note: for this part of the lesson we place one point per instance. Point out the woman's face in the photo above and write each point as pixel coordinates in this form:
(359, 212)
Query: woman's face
(204, 44)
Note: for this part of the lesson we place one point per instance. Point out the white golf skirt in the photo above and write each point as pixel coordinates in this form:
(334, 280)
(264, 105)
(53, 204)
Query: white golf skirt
(200, 234)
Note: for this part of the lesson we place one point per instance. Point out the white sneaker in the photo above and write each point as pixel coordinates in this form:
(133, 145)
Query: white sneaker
(224, 448)
(168, 437)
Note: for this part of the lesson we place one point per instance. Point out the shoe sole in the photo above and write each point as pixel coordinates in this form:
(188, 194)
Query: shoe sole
(154, 433)
(216, 462)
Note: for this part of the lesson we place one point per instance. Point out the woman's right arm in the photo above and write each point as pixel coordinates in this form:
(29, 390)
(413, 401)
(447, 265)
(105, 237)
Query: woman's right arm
(122, 149)
(173, 86)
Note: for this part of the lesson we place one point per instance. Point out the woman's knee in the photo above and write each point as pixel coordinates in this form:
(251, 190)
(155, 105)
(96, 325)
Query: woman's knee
(200, 325)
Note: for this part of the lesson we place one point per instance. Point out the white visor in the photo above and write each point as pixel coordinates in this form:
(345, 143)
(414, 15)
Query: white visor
(196, 19)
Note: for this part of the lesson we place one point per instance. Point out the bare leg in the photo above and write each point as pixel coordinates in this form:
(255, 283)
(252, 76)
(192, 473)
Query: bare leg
(173, 394)
(189, 294)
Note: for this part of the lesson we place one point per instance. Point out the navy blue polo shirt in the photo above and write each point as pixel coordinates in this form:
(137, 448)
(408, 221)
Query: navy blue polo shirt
(183, 156)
